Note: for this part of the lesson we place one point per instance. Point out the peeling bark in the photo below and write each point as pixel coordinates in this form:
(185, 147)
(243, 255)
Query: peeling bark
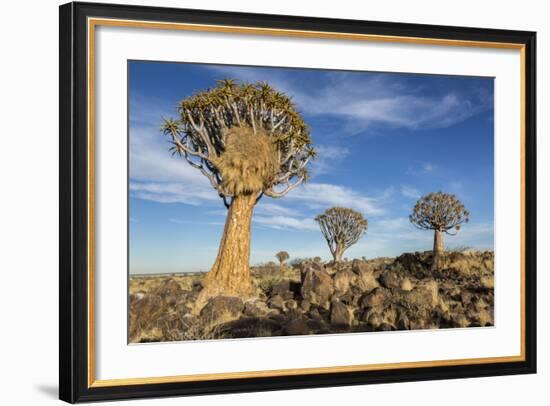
(338, 253)
(438, 249)
(230, 274)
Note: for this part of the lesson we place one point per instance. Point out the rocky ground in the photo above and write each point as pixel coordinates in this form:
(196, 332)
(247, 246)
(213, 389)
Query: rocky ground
(312, 297)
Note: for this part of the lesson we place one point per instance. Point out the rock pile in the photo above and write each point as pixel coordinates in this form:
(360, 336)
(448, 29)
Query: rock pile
(316, 298)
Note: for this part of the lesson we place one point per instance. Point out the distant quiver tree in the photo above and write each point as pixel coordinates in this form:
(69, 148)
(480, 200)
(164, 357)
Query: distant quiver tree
(282, 256)
(248, 140)
(440, 212)
(341, 227)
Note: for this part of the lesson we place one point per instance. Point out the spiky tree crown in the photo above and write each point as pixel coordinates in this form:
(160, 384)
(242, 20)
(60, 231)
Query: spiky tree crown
(282, 256)
(439, 211)
(342, 227)
(245, 138)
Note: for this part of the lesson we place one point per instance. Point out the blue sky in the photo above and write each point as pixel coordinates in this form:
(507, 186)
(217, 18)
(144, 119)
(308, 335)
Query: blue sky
(383, 140)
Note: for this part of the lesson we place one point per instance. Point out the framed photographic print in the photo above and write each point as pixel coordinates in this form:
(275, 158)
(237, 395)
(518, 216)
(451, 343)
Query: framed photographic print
(258, 202)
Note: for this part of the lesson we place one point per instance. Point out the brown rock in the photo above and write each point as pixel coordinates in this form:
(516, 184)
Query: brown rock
(317, 287)
(340, 315)
(374, 299)
(385, 327)
(255, 309)
(424, 295)
(366, 280)
(403, 322)
(343, 280)
(250, 327)
(297, 326)
(280, 288)
(221, 307)
(291, 304)
(168, 287)
(276, 302)
(390, 280)
(406, 285)
(316, 325)
(374, 319)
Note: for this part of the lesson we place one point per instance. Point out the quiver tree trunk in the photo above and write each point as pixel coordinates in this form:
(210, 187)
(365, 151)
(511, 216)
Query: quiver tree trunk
(230, 274)
(338, 253)
(439, 249)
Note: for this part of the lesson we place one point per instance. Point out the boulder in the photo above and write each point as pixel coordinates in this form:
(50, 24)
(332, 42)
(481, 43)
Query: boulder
(278, 318)
(276, 302)
(281, 287)
(316, 325)
(221, 308)
(343, 280)
(168, 287)
(385, 327)
(255, 309)
(403, 322)
(188, 298)
(288, 295)
(390, 280)
(291, 304)
(487, 282)
(416, 264)
(406, 285)
(148, 309)
(309, 267)
(317, 287)
(374, 319)
(424, 295)
(340, 315)
(389, 316)
(134, 297)
(296, 326)
(374, 299)
(359, 266)
(366, 279)
(315, 314)
(183, 308)
(250, 327)
(350, 299)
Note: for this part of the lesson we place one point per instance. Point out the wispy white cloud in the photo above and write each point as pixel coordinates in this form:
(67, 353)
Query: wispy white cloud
(284, 222)
(170, 192)
(324, 196)
(156, 176)
(476, 235)
(398, 229)
(264, 207)
(208, 223)
(367, 101)
(327, 157)
(421, 168)
(410, 192)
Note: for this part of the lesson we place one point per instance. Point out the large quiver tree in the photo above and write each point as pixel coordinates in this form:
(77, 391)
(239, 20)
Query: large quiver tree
(342, 228)
(441, 212)
(249, 141)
